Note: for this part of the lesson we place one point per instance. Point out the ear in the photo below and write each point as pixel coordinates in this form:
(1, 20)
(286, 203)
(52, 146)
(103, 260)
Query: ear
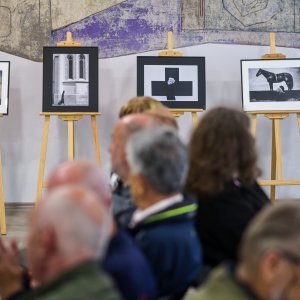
(144, 185)
(272, 267)
(138, 183)
(49, 240)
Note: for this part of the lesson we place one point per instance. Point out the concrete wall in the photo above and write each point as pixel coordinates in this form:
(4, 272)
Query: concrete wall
(122, 27)
(21, 130)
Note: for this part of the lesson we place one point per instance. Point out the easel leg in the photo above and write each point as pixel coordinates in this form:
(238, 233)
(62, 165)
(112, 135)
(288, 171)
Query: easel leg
(278, 149)
(71, 150)
(194, 119)
(2, 206)
(273, 163)
(43, 158)
(298, 117)
(253, 124)
(96, 139)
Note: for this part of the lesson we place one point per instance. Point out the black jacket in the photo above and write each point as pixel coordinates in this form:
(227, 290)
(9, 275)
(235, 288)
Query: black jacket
(222, 220)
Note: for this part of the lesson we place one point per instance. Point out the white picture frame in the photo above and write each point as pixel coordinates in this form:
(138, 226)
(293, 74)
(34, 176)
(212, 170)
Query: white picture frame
(271, 85)
(4, 86)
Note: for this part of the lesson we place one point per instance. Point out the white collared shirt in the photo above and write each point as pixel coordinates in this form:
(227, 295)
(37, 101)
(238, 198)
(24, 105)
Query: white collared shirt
(139, 215)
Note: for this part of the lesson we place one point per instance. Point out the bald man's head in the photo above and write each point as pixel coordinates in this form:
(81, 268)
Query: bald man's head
(69, 226)
(124, 129)
(83, 173)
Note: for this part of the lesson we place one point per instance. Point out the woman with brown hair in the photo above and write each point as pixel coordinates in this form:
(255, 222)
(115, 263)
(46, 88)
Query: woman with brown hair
(222, 175)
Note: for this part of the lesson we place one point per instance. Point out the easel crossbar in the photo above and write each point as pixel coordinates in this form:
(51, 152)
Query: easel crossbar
(278, 182)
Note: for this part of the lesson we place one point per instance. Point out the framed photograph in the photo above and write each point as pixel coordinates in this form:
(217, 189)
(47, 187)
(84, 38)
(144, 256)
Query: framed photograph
(4, 86)
(70, 79)
(178, 82)
(271, 84)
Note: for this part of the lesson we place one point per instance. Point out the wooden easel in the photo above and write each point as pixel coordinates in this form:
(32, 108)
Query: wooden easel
(276, 117)
(70, 118)
(178, 112)
(2, 205)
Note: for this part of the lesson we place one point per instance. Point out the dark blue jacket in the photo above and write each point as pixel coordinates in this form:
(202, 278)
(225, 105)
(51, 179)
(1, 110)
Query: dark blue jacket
(123, 206)
(129, 269)
(169, 241)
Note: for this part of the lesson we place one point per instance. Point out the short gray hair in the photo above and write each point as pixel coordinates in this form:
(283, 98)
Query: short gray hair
(65, 210)
(160, 156)
(275, 228)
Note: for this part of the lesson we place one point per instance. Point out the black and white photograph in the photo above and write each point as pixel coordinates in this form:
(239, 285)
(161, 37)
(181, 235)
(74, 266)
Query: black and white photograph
(271, 84)
(4, 86)
(71, 79)
(74, 84)
(178, 82)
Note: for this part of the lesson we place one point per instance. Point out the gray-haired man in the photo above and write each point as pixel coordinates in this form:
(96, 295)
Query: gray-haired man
(269, 267)
(163, 224)
(68, 234)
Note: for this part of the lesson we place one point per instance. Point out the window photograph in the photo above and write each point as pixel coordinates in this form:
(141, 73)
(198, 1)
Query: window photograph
(71, 69)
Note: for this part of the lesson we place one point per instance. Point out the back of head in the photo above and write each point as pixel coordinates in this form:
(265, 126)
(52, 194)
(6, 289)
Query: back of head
(123, 130)
(222, 149)
(136, 122)
(275, 228)
(138, 105)
(162, 116)
(78, 220)
(160, 156)
(84, 173)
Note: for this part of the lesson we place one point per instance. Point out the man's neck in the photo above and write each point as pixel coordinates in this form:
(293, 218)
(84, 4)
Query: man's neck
(252, 282)
(153, 199)
(58, 265)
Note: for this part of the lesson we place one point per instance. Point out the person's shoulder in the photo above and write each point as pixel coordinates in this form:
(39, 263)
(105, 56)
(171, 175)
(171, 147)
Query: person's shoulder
(123, 254)
(82, 286)
(166, 236)
(259, 193)
(239, 194)
(219, 285)
(99, 284)
(123, 244)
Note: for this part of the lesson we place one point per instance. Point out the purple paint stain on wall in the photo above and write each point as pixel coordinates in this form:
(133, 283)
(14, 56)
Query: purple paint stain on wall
(131, 27)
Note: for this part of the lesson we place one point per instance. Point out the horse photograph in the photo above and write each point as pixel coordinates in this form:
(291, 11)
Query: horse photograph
(273, 83)
(275, 78)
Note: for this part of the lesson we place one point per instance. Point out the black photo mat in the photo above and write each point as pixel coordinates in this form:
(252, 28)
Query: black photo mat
(70, 79)
(180, 81)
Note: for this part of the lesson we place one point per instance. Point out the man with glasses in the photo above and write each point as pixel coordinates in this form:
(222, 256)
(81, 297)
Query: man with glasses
(269, 265)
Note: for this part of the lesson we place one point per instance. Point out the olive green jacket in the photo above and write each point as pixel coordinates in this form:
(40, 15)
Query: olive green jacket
(84, 282)
(220, 285)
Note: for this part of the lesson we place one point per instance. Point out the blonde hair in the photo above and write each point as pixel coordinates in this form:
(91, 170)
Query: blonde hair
(138, 105)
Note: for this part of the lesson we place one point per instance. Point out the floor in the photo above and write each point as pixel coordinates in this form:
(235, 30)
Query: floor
(17, 216)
